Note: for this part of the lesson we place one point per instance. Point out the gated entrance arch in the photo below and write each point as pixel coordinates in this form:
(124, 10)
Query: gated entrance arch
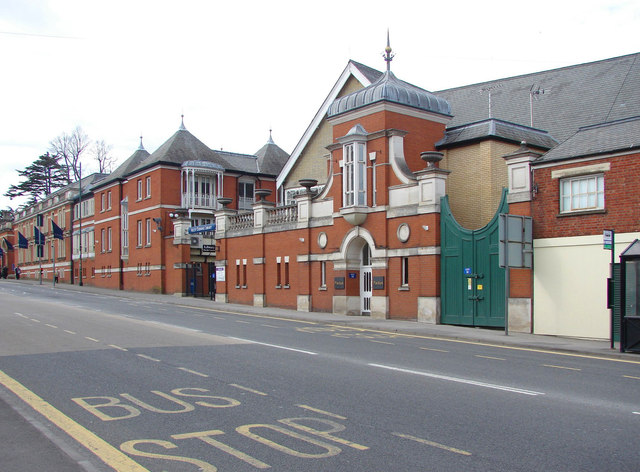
(472, 291)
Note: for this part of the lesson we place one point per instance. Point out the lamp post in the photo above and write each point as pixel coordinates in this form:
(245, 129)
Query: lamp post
(80, 224)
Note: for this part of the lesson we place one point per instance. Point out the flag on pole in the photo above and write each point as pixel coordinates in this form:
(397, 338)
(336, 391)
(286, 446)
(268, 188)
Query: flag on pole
(9, 245)
(57, 231)
(23, 243)
(38, 236)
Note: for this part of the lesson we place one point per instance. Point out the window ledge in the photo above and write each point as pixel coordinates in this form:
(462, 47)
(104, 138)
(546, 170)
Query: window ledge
(580, 213)
(404, 288)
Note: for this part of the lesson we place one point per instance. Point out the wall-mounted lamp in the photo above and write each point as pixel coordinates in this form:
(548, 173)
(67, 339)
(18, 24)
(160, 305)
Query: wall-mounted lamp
(158, 222)
(425, 227)
(301, 240)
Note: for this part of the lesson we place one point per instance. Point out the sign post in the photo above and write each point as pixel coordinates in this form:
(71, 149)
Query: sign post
(608, 243)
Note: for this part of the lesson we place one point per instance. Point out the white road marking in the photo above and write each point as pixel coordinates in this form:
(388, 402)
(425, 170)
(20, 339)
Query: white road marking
(460, 380)
(275, 345)
(193, 372)
(257, 392)
(149, 358)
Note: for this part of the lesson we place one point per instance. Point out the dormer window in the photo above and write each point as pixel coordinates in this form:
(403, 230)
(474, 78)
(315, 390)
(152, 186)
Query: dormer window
(354, 174)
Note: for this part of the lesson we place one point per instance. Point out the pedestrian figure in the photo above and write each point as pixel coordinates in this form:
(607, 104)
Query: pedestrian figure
(18, 271)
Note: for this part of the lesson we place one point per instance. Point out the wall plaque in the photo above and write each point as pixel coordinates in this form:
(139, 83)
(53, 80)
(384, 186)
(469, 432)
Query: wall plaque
(378, 282)
(338, 283)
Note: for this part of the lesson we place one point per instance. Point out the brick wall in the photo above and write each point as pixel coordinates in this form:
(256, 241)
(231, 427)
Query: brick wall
(622, 201)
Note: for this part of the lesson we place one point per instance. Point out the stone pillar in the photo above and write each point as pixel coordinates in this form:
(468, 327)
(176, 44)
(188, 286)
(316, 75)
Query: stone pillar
(520, 196)
(432, 186)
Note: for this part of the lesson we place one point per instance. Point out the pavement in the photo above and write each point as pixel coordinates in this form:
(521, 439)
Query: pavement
(22, 434)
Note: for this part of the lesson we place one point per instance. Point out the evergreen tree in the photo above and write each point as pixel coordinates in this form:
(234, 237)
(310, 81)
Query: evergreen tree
(42, 177)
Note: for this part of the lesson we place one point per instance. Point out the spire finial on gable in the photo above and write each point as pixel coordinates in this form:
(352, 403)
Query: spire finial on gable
(388, 55)
(270, 137)
(141, 147)
(182, 127)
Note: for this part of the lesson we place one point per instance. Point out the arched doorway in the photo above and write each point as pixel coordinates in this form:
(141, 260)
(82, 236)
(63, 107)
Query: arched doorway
(358, 258)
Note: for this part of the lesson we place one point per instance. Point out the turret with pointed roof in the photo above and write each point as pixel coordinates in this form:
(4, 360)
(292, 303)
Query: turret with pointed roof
(181, 147)
(271, 158)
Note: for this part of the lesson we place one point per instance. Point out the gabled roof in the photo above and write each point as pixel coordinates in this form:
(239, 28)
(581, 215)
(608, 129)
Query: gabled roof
(605, 138)
(564, 99)
(364, 74)
(499, 129)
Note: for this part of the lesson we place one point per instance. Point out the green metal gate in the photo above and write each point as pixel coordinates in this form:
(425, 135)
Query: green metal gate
(472, 282)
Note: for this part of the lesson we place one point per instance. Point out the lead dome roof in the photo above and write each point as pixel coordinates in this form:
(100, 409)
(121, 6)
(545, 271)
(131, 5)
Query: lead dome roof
(391, 89)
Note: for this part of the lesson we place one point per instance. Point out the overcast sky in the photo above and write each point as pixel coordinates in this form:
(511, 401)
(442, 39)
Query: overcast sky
(120, 69)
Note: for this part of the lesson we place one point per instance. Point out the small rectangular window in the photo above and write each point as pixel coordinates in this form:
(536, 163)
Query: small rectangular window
(323, 274)
(148, 190)
(148, 232)
(139, 240)
(582, 193)
(139, 190)
(244, 273)
(405, 272)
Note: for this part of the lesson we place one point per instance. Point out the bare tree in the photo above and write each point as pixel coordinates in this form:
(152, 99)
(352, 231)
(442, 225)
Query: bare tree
(101, 153)
(69, 148)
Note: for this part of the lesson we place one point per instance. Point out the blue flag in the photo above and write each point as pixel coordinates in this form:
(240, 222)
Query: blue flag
(23, 243)
(9, 245)
(1, 252)
(57, 231)
(38, 236)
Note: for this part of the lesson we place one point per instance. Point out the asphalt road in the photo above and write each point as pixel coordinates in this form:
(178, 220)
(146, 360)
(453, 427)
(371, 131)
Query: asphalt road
(121, 384)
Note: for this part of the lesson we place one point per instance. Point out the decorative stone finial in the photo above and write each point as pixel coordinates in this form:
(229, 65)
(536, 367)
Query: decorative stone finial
(141, 147)
(182, 127)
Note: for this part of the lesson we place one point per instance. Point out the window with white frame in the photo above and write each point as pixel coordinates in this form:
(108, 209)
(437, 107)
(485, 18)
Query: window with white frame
(354, 175)
(139, 238)
(404, 272)
(124, 224)
(139, 190)
(109, 239)
(148, 188)
(582, 193)
(148, 232)
(245, 195)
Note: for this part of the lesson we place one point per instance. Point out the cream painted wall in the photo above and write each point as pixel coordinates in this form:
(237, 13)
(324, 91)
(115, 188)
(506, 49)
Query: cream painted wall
(569, 285)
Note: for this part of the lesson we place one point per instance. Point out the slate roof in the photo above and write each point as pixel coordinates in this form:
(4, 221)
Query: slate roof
(182, 146)
(271, 158)
(620, 135)
(503, 130)
(574, 97)
(369, 72)
(126, 167)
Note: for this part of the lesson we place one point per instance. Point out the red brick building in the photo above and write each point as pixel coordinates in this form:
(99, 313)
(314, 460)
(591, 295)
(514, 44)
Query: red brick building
(388, 205)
